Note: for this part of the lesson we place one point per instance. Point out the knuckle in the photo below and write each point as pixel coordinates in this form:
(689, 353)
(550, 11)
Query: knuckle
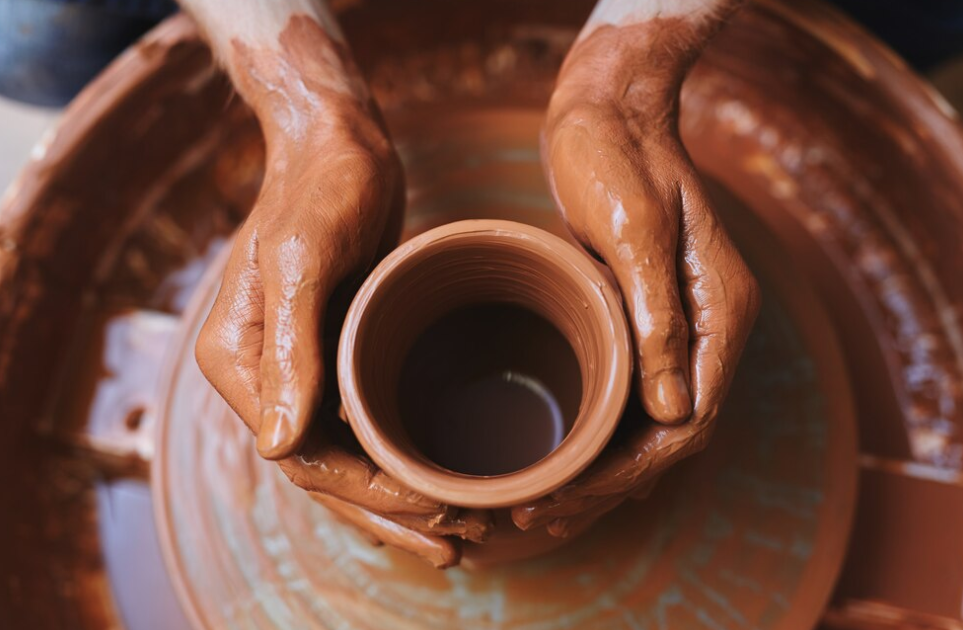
(278, 364)
(300, 264)
(584, 116)
(668, 328)
(569, 113)
(336, 244)
(210, 350)
(736, 281)
(369, 166)
(703, 421)
(699, 442)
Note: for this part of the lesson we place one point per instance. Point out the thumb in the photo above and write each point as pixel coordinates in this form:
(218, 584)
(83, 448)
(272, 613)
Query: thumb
(296, 291)
(642, 256)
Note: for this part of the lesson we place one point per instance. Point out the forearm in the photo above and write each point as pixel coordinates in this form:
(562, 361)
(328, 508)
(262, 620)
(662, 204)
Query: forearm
(637, 52)
(287, 59)
(703, 17)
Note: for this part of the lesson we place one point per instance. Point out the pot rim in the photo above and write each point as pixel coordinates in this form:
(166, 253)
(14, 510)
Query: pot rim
(580, 447)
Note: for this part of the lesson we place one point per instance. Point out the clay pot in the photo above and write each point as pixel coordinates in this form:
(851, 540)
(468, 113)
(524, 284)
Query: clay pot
(485, 364)
(109, 229)
(457, 331)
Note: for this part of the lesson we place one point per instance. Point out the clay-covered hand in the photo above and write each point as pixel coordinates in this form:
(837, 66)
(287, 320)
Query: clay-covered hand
(322, 212)
(628, 191)
(332, 200)
(325, 211)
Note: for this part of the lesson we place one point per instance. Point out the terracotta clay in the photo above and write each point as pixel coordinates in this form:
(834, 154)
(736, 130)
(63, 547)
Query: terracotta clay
(708, 528)
(628, 191)
(333, 186)
(332, 193)
(488, 389)
(318, 220)
(848, 156)
(463, 265)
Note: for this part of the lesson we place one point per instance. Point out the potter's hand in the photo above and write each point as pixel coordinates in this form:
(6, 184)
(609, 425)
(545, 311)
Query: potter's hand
(319, 218)
(629, 192)
(332, 198)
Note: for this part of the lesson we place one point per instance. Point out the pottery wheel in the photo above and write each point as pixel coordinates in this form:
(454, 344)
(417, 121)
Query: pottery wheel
(832, 165)
(751, 532)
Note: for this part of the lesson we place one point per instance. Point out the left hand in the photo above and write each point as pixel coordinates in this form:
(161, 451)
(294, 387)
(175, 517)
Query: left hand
(629, 192)
(331, 203)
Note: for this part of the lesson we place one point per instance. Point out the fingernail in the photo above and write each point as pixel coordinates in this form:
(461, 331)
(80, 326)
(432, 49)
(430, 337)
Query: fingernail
(523, 517)
(276, 436)
(559, 528)
(672, 397)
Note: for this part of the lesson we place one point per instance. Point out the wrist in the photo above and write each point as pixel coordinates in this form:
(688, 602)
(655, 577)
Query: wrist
(341, 130)
(303, 82)
(639, 67)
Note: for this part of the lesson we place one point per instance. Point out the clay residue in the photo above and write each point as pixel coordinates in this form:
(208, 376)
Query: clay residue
(629, 192)
(756, 80)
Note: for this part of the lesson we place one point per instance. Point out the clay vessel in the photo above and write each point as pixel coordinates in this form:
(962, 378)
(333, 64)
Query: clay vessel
(485, 363)
(862, 192)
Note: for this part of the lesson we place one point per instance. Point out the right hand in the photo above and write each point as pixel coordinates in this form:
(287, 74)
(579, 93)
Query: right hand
(629, 193)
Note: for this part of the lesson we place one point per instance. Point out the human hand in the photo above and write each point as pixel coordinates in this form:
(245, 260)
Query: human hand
(319, 219)
(629, 192)
(331, 201)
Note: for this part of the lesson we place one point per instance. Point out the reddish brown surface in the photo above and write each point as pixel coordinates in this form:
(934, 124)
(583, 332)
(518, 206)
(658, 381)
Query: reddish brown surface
(866, 196)
(775, 488)
(439, 272)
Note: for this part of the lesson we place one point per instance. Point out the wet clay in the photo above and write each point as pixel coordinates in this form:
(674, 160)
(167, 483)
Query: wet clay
(299, 244)
(332, 183)
(695, 538)
(463, 311)
(629, 192)
(863, 192)
(489, 389)
(332, 193)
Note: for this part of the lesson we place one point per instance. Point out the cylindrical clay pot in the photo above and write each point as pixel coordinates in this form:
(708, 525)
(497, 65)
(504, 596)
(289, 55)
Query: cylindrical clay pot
(485, 364)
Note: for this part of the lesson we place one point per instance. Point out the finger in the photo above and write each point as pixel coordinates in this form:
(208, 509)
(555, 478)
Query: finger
(723, 300)
(441, 552)
(642, 257)
(545, 511)
(228, 348)
(644, 490)
(332, 470)
(473, 525)
(575, 525)
(296, 289)
(621, 470)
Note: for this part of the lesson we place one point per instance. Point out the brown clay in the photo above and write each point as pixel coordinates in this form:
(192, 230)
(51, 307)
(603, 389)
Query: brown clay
(312, 103)
(453, 268)
(778, 405)
(847, 155)
(332, 185)
(441, 552)
(631, 206)
(333, 192)
(629, 192)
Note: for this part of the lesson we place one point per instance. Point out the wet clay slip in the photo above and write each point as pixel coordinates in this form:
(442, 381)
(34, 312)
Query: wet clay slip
(832, 166)
(787, 431)
(460, 316)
